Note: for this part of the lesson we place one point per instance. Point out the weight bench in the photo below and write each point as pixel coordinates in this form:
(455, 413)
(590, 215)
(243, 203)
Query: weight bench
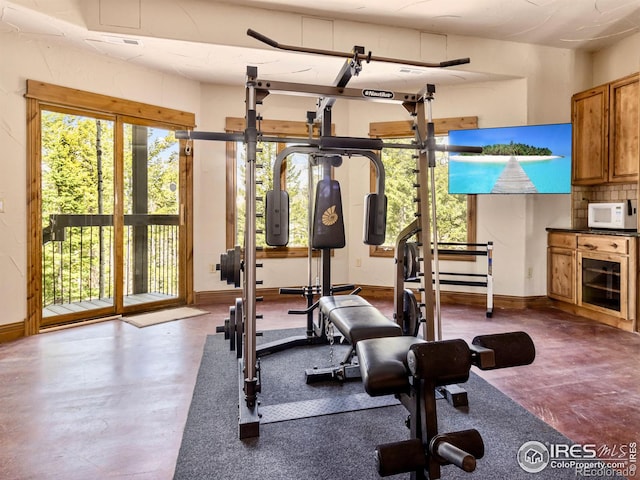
(412, 369)
(356, 320)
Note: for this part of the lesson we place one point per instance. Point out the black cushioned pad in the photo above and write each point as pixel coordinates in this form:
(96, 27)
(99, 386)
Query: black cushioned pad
(357, 319)
(383, 364)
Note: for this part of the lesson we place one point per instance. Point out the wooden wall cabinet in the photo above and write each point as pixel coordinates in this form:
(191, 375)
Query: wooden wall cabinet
(590, 142)
(624, 128)
(606, 123)
(594, 276)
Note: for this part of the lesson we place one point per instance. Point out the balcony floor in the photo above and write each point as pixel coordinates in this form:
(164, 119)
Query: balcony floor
(75, 307)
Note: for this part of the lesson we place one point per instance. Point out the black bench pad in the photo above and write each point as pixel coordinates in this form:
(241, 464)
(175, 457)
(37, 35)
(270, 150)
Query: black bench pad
(357, 319)
(383, 364)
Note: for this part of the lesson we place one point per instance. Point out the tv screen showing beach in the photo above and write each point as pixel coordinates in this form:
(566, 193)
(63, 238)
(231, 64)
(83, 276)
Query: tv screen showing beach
(527, 159)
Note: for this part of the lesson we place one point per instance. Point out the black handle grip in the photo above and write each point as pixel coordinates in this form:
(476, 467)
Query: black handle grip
(459, 148)
(305, 311)
(510, 349)
(291, 291)
(457, 61)
(342, 288)
(262, 38)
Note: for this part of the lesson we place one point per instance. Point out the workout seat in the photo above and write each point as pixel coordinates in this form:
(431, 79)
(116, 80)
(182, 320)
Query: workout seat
(357, 319)
(383, 364)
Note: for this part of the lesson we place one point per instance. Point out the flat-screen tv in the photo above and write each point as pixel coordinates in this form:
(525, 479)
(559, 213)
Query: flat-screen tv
(526, 159)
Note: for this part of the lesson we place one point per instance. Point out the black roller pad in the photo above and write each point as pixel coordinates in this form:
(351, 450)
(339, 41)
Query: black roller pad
(443, 362)
(510, 349)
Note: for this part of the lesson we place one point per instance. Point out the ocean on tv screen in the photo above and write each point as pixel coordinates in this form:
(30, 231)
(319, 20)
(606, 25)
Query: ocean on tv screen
(515, 160)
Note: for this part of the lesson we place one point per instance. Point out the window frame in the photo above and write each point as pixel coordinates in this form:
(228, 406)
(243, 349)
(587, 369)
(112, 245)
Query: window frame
(405, 129)
(273, 128)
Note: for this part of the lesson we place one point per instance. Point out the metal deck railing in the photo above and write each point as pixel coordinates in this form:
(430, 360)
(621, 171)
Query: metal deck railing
(78, 261)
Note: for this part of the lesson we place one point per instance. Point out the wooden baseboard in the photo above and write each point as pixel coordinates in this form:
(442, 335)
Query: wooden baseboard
(374, 292)
(228, 297)
(14, 331)
(11, 331)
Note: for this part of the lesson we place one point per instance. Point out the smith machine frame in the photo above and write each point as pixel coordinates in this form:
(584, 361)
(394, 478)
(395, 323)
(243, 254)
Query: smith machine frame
(419, 107)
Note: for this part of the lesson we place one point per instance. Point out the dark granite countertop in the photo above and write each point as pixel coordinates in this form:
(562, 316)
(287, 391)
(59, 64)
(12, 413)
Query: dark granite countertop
(596, 231)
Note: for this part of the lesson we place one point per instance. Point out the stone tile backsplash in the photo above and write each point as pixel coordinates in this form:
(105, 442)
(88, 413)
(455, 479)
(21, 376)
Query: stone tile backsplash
(582, 195)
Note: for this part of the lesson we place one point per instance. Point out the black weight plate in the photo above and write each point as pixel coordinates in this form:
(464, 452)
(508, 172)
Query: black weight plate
(226, 329)
(239, 327)
(235, 274)
(223, 266)
(232, 328)
(410, 313)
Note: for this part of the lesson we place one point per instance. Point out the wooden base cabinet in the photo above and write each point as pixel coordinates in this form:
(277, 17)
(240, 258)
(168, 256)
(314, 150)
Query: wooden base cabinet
(561, 264)
(594, 276)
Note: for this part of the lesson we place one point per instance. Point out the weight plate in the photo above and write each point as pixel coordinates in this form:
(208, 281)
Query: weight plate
(410, 314)
(239, 327)
(411, 267)
(232, 328)
(236, 260)
(223, 266)
(226, 329)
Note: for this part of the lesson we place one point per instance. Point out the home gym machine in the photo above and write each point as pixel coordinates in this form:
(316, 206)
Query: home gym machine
(243, 314)
(342, 311)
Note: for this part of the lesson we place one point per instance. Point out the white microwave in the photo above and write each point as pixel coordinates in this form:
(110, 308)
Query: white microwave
(617, 215)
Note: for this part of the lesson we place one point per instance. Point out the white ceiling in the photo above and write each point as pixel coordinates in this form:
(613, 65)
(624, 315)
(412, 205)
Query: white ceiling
(589, 24)
(576, 24)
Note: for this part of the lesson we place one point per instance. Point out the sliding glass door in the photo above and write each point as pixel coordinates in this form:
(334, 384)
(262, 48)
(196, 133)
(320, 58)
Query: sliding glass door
(77, 188)
(98, 257)
(151, 234)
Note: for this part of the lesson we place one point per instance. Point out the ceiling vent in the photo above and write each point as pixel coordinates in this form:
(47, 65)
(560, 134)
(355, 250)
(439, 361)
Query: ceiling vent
(121, 40)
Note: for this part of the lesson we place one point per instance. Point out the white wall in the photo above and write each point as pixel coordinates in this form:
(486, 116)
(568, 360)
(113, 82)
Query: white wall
(618, 61)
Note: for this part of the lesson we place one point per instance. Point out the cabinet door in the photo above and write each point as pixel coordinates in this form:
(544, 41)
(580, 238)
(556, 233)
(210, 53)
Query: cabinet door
(603, 283)
(623, 130)
(561, 280)
(589, 116)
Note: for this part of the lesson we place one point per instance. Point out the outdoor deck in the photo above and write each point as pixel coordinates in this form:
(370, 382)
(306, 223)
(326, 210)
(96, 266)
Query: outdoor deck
(75, 307)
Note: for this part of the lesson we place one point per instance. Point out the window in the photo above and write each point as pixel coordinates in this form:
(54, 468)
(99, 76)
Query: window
(455, 213)
(295, 179)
